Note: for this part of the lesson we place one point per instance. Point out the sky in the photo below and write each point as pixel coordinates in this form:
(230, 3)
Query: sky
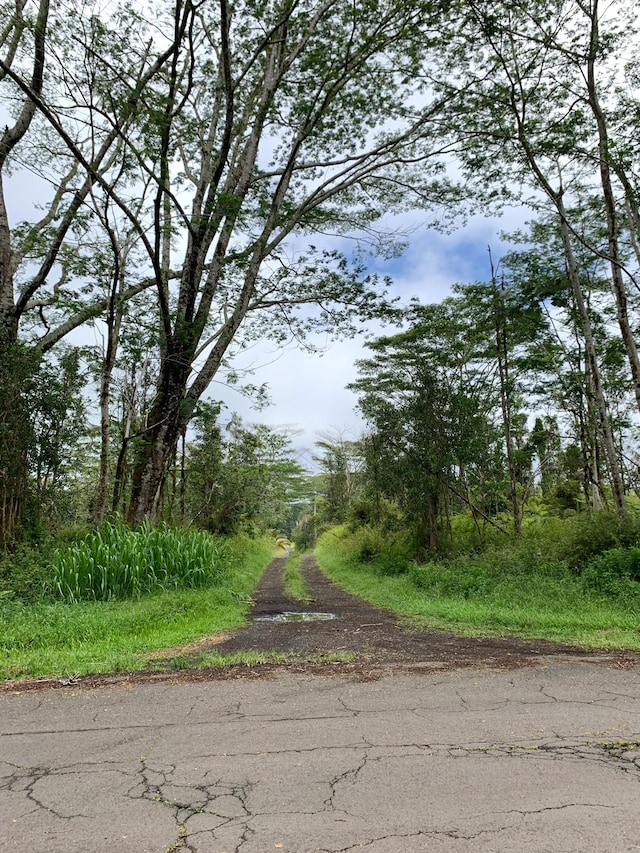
(308, 390)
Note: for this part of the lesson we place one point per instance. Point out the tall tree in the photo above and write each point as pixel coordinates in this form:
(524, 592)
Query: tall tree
(428, 395)
(52, 92)
(252, 124)
(528, 75)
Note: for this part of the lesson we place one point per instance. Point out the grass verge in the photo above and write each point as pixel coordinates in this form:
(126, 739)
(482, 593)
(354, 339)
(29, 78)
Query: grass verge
(531, 605)
(294, 583)
(56, 639)
(214, 660)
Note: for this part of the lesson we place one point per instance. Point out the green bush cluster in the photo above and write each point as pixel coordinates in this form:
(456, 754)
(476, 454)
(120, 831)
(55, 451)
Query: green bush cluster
(439, 579)
(115, 562)
(24, 573)
(614, 573)
(588, 535)
(387, 552)
(597, 554)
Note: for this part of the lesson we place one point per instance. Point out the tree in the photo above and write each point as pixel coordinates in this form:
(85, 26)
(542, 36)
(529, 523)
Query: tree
(242, 478)
(528, 75)
(244, 126)
(52, 91)
(340, 460)
(565, 380)
(428, 398)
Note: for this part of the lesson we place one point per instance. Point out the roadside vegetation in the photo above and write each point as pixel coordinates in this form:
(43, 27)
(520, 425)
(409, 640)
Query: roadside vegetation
(50, 626)
(568, 580)
(294, 583)
(79, 598)
(497, 483)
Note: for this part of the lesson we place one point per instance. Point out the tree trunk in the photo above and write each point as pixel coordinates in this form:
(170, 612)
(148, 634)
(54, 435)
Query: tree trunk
(113, 331)
(167, 420)
(604, 146)
(598, 391)
(13, 458)
(502, 355)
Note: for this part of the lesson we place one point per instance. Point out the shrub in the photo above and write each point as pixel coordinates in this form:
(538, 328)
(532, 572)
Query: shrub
(25, 573)
(116, 562)
(615, 573)
(474, 580)
(587, 535)
(366, 543)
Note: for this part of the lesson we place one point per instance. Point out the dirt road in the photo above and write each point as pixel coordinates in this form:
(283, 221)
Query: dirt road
(377, 638)
(425, 742)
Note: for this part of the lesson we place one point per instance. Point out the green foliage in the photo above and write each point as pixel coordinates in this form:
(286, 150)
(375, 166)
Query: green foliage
(94, 636)
(115, 562)
(441, 580)
(24, 573)
(587, 535)
(387, 553)
(18, 366)
(516, 587)
(615, 574)
(243, 479)
(340, 460)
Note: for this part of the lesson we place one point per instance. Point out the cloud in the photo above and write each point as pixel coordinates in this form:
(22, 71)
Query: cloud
(308, 390)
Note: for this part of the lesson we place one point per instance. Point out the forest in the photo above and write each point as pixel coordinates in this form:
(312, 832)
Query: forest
(202, 176)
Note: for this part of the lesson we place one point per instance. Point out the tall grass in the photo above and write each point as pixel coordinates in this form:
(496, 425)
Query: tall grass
(115, 562)
(56, 638)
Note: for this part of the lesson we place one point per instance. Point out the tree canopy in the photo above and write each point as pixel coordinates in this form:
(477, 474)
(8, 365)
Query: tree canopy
(202, 165)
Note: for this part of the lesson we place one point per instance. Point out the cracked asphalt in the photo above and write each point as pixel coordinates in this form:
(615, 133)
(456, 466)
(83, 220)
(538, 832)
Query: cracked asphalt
(539, 756)
(543, 758)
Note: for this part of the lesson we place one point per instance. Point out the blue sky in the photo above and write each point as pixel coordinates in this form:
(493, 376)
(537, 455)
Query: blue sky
(308, 390)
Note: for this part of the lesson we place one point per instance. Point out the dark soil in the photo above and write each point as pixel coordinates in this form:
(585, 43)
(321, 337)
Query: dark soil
(362, 640)
(372, 634)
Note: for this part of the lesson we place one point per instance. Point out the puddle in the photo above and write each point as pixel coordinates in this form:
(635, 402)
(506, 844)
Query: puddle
(290, 616)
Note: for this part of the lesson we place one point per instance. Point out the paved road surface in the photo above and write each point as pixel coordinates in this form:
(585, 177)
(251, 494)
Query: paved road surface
(542, 758)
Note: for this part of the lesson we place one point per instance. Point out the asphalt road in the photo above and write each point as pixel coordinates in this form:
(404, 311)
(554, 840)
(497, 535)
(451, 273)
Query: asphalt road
(542, 758)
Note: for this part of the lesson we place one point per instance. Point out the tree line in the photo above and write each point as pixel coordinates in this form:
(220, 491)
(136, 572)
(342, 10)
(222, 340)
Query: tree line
(197, 159)
(484, 406)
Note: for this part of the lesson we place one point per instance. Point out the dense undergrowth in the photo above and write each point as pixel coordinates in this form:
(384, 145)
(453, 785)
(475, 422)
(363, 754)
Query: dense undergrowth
(55, 620)
(575, 580)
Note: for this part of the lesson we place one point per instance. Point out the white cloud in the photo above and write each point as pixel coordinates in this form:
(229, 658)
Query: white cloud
(308, 390)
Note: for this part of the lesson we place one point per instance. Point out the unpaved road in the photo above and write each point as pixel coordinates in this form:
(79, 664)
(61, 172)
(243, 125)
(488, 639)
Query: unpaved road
(537, 751)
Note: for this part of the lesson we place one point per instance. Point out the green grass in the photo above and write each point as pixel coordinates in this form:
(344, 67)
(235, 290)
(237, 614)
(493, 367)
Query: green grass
(215, 660)
(115, 561)
(58, 638)
(472, 599)
(294, 583)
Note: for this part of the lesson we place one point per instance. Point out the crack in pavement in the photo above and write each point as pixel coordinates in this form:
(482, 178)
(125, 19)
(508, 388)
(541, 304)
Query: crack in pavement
(482, 759)
(204, 810)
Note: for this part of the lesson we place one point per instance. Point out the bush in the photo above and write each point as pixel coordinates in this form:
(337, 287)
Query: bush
(115, 562)
(587, 535)
(367, 544)
(25, 573)
(615, 573)
(387, 553)
(443, 580)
